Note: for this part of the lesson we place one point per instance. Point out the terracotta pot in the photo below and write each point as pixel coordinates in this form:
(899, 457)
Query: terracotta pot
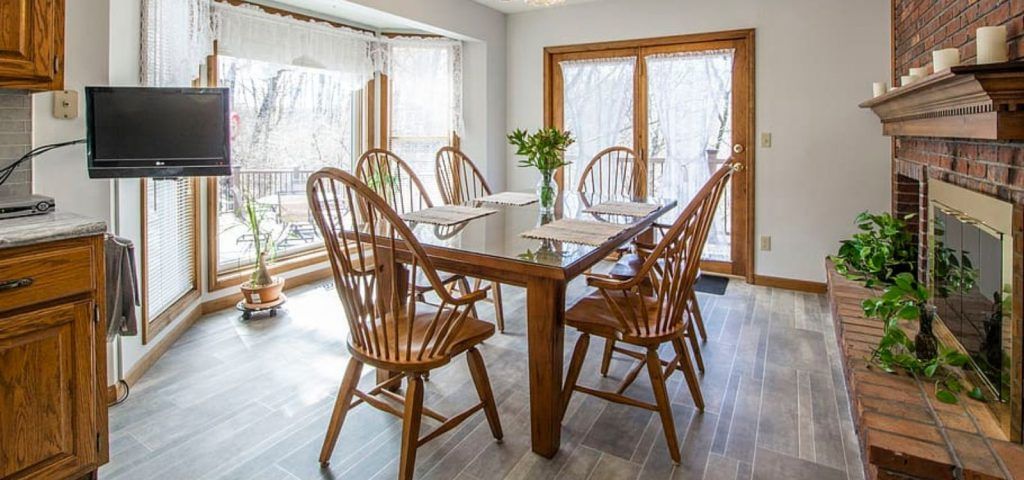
(263, 295)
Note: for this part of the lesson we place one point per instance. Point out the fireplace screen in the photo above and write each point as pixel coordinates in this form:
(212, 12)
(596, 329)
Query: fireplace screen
(968, 262)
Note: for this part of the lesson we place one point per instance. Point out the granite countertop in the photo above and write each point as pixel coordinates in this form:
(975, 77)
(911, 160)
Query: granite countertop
(21, 231)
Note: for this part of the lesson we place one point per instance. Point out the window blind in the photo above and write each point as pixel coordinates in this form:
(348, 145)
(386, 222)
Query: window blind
(170, 246)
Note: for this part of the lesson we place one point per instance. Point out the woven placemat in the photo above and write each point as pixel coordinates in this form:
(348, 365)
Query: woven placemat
(509, 198)
(446, 215)
(629, 209)
(583, 232)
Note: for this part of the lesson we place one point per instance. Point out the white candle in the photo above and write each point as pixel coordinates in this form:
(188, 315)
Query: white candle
(919, 72)
(945, 58)
(878, 88)
(906, 80)
(992, 45)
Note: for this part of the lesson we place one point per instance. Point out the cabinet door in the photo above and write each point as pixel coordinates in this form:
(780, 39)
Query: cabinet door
(48, 392)
(31, 43)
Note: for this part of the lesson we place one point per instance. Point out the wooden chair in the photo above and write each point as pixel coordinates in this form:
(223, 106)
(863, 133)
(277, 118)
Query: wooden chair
(460, 183)
(618, 310)
(386, 331)
(393, 179)
(614, 171)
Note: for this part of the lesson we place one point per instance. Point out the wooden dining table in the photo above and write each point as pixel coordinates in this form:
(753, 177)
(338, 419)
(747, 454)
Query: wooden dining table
(492, 248)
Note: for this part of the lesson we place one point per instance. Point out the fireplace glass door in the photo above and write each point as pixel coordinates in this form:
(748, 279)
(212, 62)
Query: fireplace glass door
(970, 292)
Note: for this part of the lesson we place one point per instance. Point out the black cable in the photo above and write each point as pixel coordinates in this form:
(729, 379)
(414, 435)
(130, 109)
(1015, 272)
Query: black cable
(6, 172)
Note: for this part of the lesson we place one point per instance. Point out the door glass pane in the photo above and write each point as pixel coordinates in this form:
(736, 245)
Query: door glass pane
(598, 109)
(690, 131)
(286, 123)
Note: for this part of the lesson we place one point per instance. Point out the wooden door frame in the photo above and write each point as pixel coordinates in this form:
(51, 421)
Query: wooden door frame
(742, 263)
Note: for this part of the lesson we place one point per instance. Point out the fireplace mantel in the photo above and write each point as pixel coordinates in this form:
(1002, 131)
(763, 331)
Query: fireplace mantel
(983, 102)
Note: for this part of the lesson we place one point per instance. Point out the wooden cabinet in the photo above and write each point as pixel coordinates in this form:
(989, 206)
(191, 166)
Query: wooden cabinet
(32, 44)
(53, 413)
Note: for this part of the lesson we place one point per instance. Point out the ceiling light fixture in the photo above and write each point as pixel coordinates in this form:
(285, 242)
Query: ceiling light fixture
(544, 3)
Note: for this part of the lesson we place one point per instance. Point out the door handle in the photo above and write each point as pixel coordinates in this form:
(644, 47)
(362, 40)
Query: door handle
(15, 284)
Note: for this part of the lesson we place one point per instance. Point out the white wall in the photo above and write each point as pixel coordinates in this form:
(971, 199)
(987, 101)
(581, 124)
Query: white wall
(815, 62)
(62, 173)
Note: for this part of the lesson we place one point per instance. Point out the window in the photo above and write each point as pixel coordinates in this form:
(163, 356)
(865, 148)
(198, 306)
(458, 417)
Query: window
(170, 251)
(287, 122)
(425, 89)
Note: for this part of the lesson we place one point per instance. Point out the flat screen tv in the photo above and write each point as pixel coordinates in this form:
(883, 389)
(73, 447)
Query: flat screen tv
(136, 132)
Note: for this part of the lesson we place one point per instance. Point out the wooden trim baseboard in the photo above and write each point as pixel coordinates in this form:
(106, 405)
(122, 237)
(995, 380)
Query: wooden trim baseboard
(790, 284)
(229, 301)
(158, 349)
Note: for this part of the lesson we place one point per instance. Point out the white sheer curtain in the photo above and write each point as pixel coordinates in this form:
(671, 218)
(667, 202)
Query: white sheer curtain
(687, 100)
(246, 31)
(432, 67)
(598, 109)
(176, 38)
(689, 104)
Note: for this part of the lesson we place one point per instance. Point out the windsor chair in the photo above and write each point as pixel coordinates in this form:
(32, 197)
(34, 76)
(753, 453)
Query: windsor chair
(460, 183)
(614, 171)
(620, 311)
(393, 179)
(386, 331)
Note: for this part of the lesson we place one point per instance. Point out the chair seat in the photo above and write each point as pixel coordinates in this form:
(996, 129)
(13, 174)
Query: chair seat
(471, 333)
(592, 315)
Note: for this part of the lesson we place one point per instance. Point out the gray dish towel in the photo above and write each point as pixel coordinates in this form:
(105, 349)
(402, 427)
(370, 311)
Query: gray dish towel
(122, 287)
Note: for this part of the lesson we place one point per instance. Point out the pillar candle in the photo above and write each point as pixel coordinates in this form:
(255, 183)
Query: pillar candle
(944, 59)
(906, 80)
(919, 72)
(992, 45)
(879, 88)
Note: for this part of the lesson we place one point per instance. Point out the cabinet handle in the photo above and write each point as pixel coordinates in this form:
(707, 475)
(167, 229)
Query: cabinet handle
(15, 284)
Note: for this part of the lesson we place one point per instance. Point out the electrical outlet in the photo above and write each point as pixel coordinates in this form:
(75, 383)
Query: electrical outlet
(766, 140)
(766, 243)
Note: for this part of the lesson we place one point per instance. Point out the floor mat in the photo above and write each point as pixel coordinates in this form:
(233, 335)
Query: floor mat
(712, 284)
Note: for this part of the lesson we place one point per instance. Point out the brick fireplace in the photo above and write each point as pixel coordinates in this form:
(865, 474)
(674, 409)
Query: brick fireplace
(992, 168)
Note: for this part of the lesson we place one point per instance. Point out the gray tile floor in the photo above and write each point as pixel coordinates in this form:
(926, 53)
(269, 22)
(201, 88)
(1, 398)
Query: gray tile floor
(251, 400)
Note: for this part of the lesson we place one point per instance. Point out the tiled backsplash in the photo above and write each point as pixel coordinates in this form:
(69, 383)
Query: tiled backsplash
(15, 140)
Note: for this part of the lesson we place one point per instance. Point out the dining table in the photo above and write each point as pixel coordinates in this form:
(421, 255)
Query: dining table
(492, 248)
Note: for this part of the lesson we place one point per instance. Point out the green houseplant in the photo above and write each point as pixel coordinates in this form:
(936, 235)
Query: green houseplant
(882, 250)
(545, 151)
(262, 288)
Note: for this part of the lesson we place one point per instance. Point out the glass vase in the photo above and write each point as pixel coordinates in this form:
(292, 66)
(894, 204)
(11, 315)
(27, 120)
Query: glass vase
(547, 192)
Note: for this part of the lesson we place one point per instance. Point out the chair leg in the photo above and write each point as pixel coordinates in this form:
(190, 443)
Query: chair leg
(483, 389)
(341, 406)
(697, 317)
(411, 427)
(691, 376)
(664, 405)
(499, 310)
(606, 359)
(696, 348)
(579, 353)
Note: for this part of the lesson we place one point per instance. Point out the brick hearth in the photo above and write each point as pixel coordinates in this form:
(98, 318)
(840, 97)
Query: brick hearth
(904, 432)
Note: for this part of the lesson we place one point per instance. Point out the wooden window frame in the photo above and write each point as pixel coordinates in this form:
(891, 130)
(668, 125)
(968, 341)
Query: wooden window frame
(742, 261)
(151, 327)
(219, 279)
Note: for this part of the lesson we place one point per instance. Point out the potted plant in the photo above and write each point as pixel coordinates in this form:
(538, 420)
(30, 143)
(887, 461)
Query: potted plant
(262, 288)
(545, 151)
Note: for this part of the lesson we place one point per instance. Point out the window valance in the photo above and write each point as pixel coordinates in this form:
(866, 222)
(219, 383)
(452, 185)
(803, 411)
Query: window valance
(176, 39)
(246, 31)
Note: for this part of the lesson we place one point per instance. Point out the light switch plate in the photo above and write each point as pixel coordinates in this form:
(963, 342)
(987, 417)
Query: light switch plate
(65, 104)
(766, 140)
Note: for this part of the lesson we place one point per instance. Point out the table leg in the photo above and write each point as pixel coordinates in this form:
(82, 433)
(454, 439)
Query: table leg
(545, 300)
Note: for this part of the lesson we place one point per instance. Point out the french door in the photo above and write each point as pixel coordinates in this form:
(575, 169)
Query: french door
(684, 104)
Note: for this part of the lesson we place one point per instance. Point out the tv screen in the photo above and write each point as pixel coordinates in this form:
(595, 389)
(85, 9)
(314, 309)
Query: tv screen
(158, 132)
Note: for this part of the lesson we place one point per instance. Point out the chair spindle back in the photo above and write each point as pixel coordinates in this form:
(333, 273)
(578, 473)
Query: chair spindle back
(363, 235)
(458, 178)
(394, 180)
(614, 171)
